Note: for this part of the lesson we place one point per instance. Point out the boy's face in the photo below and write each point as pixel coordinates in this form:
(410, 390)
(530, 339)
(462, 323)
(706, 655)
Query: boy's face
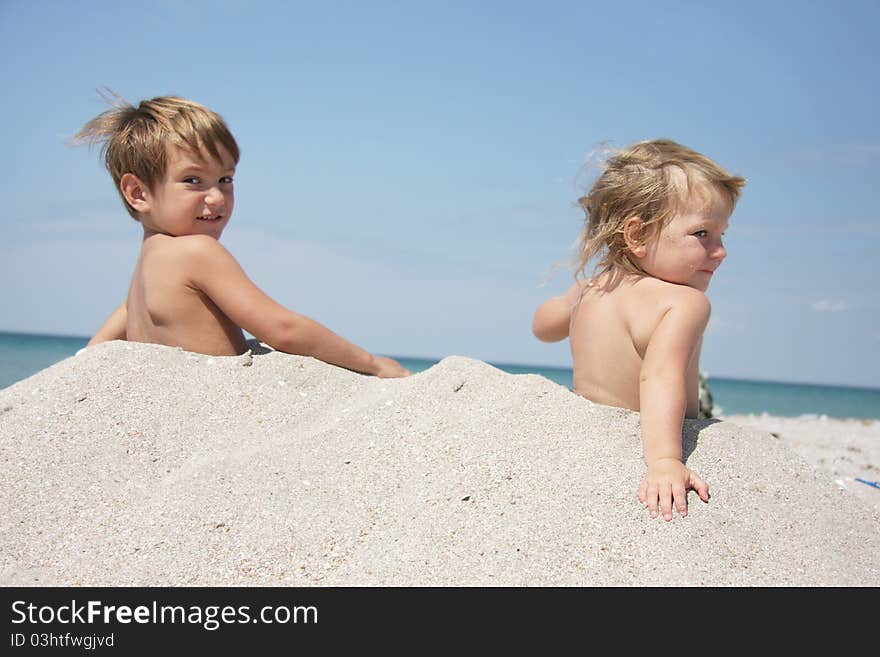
(195, 197)
(688, 249)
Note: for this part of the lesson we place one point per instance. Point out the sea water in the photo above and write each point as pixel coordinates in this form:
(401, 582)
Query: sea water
(24, 354)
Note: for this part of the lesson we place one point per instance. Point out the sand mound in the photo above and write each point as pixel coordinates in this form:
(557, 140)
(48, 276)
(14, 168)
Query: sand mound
(146, 465)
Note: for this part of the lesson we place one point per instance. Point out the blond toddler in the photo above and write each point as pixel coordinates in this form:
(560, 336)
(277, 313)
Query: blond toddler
(655, 220)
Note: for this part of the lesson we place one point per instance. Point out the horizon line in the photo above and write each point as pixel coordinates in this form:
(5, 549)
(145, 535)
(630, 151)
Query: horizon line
(502, 364)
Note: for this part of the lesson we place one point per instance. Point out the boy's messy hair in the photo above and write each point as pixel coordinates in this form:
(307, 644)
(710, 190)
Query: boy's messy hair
(134, 139)
(651, 180)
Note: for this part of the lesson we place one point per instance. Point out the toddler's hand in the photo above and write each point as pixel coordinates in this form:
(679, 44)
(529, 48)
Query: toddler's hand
(388, 368)
(667, 480)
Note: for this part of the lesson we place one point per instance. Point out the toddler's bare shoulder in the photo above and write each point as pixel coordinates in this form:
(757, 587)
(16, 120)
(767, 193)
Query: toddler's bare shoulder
(661, 296)
(690, 299)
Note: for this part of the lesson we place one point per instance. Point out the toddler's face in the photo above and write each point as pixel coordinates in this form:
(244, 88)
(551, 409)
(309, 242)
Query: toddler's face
(688, 249)
(195, 197)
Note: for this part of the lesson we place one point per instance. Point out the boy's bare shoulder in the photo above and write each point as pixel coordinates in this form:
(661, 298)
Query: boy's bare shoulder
(188, 258)
(186, 248)
(194, 244)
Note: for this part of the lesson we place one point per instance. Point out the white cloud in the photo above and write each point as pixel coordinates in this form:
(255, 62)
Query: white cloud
(826, 306)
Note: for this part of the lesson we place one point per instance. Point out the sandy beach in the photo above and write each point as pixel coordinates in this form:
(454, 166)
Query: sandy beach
(846, 450)
(145, 465)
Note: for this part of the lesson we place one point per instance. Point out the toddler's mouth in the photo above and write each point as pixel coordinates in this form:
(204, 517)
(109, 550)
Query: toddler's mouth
(212, 219)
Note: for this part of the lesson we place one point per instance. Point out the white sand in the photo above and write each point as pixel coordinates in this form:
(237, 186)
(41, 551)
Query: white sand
(846, 450)
(145, 465)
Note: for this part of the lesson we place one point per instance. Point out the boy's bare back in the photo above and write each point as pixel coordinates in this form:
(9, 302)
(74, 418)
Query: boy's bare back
(166, 307)
(612, 321)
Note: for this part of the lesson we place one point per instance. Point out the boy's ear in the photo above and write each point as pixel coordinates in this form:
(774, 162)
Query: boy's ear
(135, 192)
(632, 233)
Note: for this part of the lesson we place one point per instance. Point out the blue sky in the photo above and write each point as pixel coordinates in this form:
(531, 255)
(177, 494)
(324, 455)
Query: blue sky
(409, 169)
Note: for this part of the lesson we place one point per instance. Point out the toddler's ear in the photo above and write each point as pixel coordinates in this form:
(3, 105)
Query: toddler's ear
(135, 192)
(635, 240)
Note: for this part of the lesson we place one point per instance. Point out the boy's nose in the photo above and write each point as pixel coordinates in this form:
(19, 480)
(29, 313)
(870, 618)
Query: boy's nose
(213, 197)
(719, 253)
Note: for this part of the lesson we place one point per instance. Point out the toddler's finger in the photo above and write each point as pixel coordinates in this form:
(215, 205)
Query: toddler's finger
(679, 494)
(666, 501)
(700, 486)
(653, 496)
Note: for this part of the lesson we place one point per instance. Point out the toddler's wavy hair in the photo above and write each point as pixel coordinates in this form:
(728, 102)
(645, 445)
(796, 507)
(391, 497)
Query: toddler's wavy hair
(651, 180)
(135, 139)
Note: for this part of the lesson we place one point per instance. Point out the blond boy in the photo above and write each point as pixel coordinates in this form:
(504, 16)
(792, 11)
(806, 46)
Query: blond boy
(173, 161)
(654, 220)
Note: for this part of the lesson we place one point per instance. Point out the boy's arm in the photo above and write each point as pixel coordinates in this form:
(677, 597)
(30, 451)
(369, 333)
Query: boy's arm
(217, 273)
(552, 318)
(113, 328)
(663, 401)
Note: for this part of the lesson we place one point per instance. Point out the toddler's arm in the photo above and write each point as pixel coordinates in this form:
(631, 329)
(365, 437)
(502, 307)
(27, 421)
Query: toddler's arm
(217, 273)
(552, 318)
(113, 328)
(663, 401)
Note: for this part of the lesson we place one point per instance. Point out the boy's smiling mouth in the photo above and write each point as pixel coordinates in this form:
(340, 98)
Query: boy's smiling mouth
(212, 219)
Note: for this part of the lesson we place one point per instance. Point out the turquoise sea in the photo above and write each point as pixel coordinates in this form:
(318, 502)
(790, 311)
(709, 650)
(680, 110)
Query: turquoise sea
(24, 354)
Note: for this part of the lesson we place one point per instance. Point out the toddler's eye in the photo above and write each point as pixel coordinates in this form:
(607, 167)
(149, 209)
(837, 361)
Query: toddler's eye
(226, 179)
(701, 233)
(192, 180)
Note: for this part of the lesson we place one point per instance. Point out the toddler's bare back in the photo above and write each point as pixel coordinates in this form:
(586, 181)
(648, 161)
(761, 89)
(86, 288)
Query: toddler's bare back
(611, 326)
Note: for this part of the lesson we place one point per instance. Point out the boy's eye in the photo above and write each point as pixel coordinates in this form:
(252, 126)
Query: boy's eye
(192, 180)
(701, 233)
(226, 179)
